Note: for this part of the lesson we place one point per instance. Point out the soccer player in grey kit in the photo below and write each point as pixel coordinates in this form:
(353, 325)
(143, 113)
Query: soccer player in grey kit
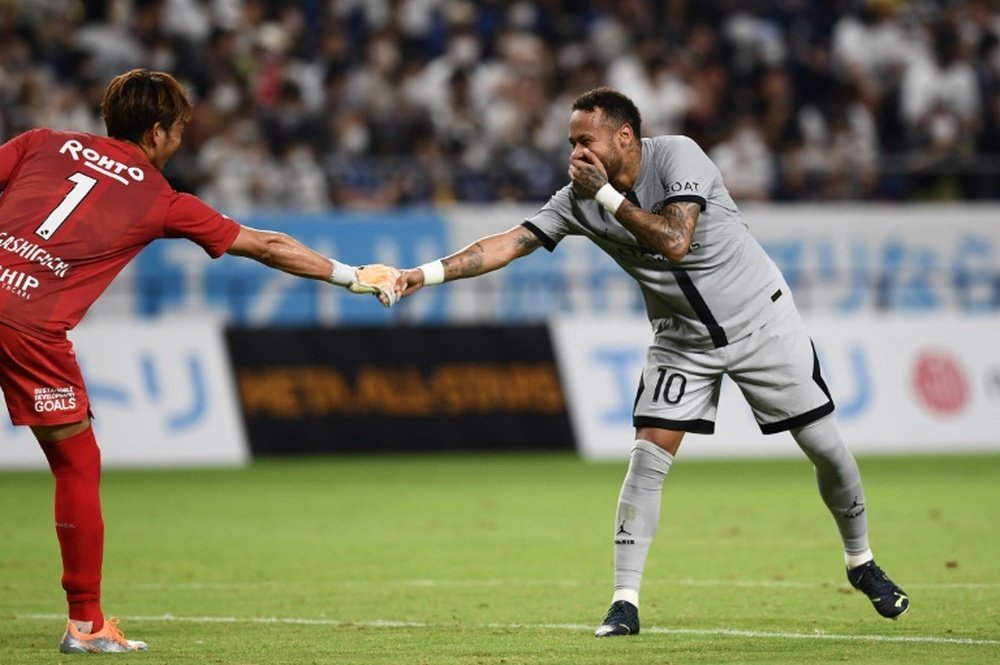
(718, 306)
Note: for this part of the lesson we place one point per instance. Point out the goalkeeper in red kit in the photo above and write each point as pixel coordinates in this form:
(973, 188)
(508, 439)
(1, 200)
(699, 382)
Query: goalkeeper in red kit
(75, 209)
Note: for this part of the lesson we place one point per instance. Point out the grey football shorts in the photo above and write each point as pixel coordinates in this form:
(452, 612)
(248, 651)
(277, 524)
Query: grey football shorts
(775, 367)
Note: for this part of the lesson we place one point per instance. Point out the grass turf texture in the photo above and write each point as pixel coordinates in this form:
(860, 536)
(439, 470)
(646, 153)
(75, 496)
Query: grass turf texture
(508, 560)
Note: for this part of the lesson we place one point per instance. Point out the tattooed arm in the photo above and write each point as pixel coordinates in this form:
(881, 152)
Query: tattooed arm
(483, 256)
(668, 233)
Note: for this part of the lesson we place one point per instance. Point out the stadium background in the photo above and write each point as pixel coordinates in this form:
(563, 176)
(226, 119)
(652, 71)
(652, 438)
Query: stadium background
(861, 139)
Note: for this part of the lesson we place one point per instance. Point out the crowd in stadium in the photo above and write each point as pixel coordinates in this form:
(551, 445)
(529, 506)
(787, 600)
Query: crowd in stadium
(373, 103)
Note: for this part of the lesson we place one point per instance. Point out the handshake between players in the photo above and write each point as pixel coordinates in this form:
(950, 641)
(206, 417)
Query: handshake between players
(377, 279)
(386, 283)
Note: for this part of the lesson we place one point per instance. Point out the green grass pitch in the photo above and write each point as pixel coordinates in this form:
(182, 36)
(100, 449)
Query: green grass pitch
(507, 560)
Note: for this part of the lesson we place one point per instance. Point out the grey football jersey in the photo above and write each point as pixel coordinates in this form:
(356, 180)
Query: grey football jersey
(724, 288)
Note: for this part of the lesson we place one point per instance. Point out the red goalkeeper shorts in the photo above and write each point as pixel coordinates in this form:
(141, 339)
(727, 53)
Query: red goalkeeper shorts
(41, 380)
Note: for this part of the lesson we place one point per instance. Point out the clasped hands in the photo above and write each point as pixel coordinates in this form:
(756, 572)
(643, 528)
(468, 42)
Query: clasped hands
(387, 283)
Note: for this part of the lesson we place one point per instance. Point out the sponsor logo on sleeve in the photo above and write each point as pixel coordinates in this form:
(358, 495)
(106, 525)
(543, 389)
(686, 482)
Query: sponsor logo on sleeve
(678, 187)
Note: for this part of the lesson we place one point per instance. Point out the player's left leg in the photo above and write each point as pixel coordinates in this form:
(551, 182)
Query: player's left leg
(44, 390)
(778, 371)
(75, 461)
(839, 481)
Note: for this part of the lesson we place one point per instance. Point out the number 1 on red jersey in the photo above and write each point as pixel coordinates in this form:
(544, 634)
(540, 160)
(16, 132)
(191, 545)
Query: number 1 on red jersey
(82, 184)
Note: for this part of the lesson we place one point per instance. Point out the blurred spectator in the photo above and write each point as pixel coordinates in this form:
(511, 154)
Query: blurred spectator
(374, 103)
(745, 161)
(302, 180)
(239, 173)
(871, 46)
(941, 108)
(657, 85)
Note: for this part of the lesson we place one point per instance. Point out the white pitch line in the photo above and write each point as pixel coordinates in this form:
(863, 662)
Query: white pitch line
(430, 583)
(388, 623)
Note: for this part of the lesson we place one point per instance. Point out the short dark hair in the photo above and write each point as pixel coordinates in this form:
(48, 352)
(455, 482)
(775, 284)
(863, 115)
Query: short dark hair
(617, 107)
(138, 99)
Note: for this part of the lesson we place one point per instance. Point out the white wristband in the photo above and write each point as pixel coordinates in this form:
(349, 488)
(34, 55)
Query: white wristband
(433, 272)
(609, 198)
(342, 274)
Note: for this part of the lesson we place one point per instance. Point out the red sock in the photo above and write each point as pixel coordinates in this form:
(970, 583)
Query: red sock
(76, 465)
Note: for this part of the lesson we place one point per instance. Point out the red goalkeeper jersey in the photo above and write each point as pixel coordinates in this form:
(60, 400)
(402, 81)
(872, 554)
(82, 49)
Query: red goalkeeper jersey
(75, 208)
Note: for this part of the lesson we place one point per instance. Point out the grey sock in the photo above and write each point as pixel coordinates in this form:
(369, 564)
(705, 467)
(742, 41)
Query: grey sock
(638, 511)
(839, 480)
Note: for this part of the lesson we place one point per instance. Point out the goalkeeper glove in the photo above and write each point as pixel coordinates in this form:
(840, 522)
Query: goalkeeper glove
(378, 279)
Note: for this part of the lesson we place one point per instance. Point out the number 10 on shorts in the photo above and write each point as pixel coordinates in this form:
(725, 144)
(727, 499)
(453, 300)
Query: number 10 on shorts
(670, 386)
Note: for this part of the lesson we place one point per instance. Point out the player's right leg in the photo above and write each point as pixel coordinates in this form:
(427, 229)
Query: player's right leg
(636, 521)
(678, 393)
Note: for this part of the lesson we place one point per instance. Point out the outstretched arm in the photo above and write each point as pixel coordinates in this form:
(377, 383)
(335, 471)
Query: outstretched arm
(482, 256)
(668, 233)
(283, 252)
